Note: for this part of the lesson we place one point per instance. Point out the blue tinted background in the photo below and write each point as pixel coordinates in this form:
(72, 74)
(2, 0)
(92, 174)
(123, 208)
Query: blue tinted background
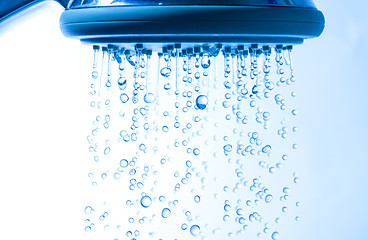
(43, 100)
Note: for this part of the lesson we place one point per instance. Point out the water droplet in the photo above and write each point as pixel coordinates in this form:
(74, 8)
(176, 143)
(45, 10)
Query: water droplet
(123, 163)
(266, 149)
(255, 89)
(275, 236)
(124, 98)
(286, 190)
(197, 198)
(201, 102)
(94, 74)
(88, 210)
(166, 212)
(205, 62)
(268, 198)
(194, 230)
(196, 151)
(165, 72)
(226, 104)
(107, 150)
(165, 128)
(122, 82)
(167, 86)
(146, 201)
(149, 98)
(227, 84)
(184, 226)
(227, 207)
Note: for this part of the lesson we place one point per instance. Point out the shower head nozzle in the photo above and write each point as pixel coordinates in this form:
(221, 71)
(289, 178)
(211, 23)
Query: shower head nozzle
(202, 21)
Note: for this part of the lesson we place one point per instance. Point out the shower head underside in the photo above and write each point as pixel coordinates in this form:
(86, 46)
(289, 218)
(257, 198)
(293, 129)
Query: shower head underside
(159, 23)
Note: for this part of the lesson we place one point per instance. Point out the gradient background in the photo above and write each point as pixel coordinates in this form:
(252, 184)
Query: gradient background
(43, 102)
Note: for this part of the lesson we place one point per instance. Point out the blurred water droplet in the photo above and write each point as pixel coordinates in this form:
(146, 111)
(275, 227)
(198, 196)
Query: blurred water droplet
(275, 236)
(195, 230)
(266, 149)
(196, 151)
(88, 210)
(268, 198)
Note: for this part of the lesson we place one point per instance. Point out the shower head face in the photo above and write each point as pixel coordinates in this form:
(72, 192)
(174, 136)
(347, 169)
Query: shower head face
(158, 23)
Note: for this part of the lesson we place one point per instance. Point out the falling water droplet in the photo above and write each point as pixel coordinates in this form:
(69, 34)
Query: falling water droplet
(94, 74)
(275, 235)
(266, 149)
(194, 230)
(124, 98)
(88, 210)
(107, 150)
(201, 102)
(255, 89)
(196, 151)
(165, 72)
(166, 212)
(122, 82)
(268, 198)
(146, 201)
(149, 98)
(184, 226)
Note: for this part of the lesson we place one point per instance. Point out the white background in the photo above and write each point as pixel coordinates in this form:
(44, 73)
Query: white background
(43, 101)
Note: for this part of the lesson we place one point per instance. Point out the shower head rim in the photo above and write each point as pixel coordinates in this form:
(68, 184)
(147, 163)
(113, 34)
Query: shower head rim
(245, 24)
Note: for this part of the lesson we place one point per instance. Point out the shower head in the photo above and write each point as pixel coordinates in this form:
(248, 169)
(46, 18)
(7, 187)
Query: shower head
(157, 23)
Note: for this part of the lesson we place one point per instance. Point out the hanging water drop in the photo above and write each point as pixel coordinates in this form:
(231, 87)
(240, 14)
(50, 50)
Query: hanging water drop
(130, 57)
(205, 62)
